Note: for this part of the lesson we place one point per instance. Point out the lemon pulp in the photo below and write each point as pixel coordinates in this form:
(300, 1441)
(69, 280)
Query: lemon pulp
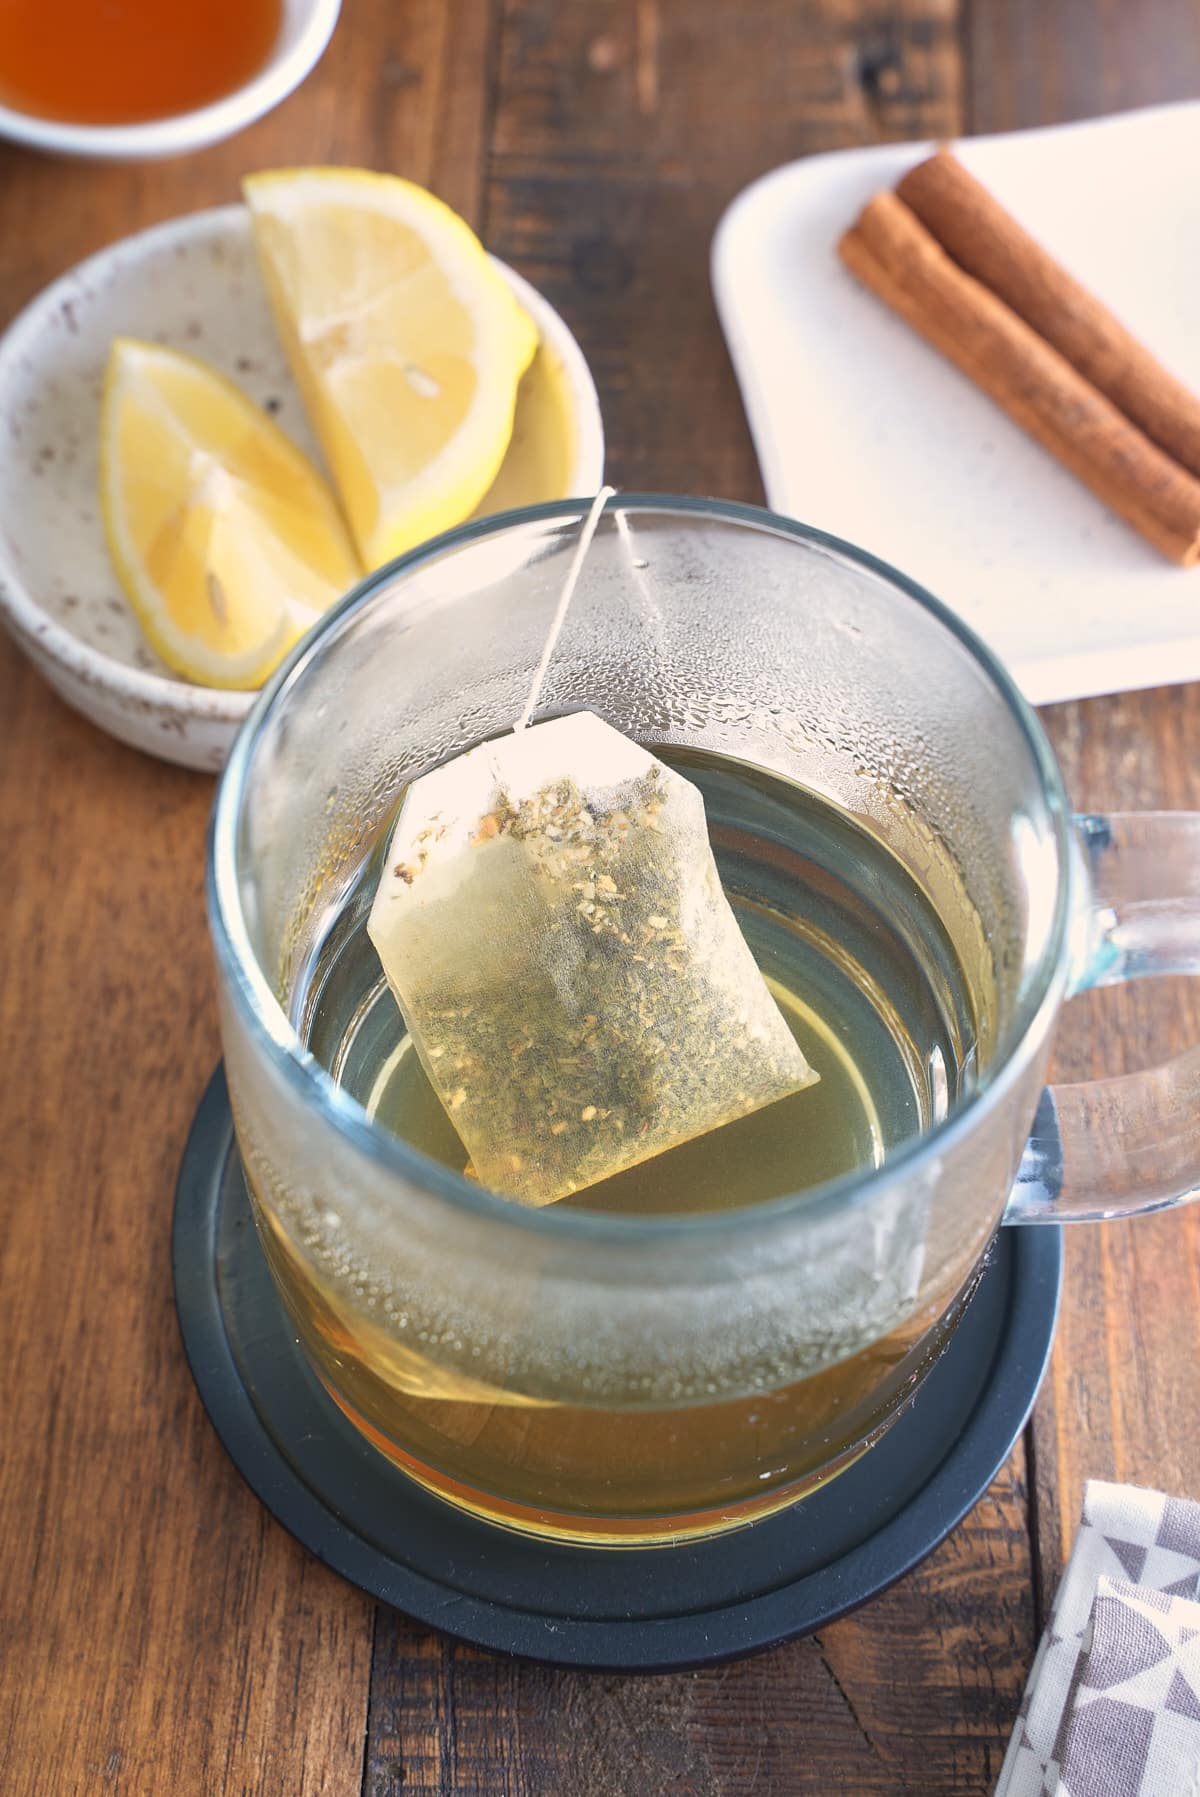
(227, 541)
(406, 343)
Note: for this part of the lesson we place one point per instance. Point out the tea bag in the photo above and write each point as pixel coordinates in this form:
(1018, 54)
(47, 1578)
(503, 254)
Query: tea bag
(552, 925)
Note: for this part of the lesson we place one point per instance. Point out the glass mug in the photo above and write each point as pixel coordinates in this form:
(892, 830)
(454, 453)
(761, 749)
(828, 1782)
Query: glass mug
(601, 1376)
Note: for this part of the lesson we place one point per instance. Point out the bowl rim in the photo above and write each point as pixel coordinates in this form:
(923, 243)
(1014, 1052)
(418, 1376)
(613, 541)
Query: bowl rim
(292, 58)
(34, 626)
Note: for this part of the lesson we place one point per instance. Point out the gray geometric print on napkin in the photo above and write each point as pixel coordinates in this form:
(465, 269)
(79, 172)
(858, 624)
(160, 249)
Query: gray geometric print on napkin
(1132, 1728)
(1126, 1536)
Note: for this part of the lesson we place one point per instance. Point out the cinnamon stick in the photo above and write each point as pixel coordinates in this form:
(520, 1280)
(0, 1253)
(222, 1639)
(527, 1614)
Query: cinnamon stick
(891, 252)
(989, 243)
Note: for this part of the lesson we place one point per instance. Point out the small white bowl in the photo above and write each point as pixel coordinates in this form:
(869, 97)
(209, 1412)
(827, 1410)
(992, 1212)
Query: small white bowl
(304, 31)
(192, 283)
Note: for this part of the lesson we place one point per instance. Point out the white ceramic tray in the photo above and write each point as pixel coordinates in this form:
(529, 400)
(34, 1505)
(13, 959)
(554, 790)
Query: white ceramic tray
(863, 430)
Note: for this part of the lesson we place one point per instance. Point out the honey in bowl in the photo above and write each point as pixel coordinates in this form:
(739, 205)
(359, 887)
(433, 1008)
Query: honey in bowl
(129, 60)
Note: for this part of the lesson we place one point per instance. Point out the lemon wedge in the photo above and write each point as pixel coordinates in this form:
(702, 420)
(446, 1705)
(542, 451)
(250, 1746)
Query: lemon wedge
(227, 541)
(407, 345)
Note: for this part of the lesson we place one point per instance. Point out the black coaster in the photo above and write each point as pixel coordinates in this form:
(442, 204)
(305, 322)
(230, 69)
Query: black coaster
(642, 1609)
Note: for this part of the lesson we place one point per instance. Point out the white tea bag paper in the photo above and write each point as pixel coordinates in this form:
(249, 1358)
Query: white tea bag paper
(552, 925)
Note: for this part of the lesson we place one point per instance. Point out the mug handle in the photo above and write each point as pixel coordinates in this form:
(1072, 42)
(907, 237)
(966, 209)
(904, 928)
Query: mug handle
(1119, 1147)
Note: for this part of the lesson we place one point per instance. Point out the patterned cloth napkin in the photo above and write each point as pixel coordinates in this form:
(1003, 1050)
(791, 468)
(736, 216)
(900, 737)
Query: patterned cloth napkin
(1112, 1707)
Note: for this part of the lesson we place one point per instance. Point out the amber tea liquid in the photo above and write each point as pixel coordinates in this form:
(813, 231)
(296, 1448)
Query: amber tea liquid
(864, 970)
(118, 62)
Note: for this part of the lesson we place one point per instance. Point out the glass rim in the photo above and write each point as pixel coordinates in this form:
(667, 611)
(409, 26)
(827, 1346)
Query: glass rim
(312, 1083)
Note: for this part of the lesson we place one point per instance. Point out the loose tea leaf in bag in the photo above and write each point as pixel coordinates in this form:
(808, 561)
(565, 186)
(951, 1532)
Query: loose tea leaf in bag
(552, 925)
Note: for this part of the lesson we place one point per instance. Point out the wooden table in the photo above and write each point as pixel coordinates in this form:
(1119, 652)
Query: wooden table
(158, 1632)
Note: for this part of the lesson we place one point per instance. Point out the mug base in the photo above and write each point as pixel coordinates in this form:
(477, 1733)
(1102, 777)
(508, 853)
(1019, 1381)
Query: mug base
(644, 1608)
(597, 1532)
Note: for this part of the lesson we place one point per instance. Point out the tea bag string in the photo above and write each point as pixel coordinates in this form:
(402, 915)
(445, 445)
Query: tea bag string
(568, 593)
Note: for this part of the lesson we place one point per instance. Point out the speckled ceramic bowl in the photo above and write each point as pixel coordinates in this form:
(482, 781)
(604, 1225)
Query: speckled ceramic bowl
(191, 283)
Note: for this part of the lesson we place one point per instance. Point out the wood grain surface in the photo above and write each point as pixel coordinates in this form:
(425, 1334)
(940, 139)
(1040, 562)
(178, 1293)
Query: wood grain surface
(158, 1632)
(1119, 1402)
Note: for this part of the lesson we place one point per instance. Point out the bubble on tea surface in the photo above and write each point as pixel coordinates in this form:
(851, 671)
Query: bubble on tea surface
(552, 925)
